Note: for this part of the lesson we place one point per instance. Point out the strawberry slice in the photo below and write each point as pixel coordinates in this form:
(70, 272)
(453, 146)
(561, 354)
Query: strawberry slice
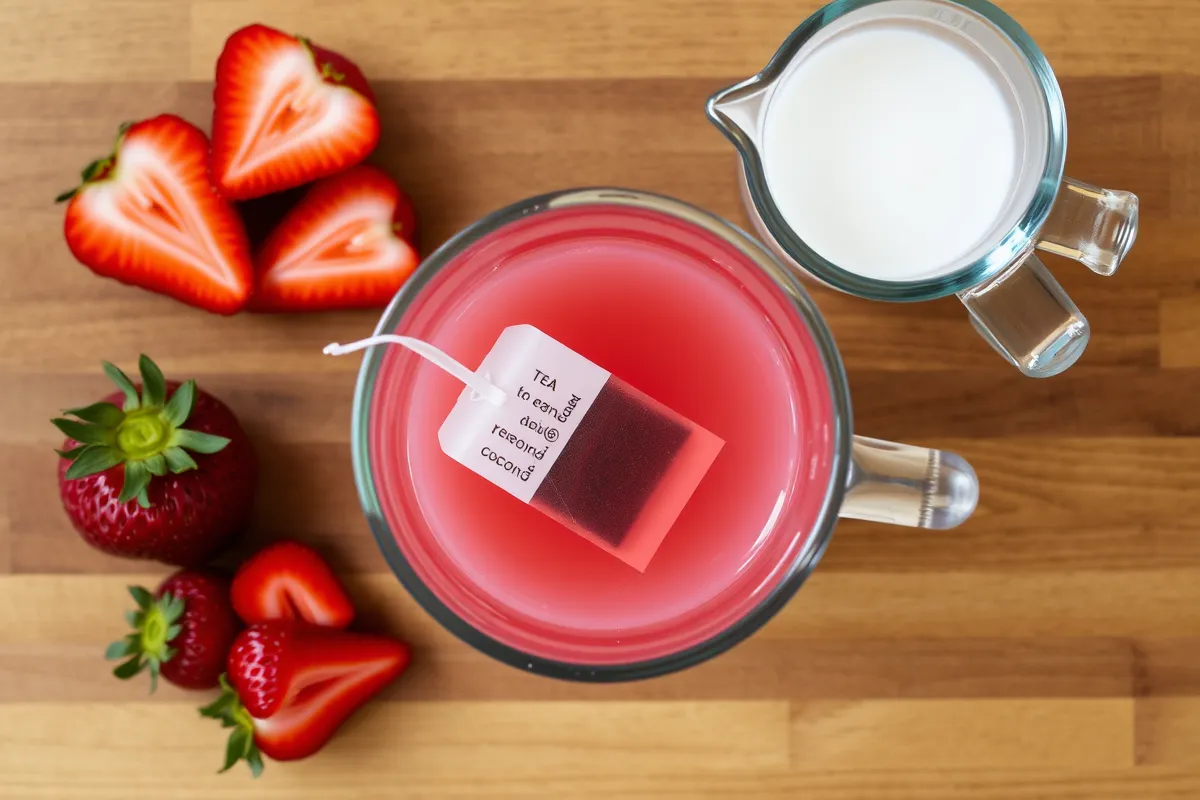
(290, 687)
(286, 112)
(347, 244)
(148, 216)
(290, 581)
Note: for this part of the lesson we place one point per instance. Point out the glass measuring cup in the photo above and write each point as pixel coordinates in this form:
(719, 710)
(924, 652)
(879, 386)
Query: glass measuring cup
(1012, 299)
(529, 592)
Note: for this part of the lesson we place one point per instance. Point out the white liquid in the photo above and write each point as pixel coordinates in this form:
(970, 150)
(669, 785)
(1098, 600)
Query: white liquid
(893, 151)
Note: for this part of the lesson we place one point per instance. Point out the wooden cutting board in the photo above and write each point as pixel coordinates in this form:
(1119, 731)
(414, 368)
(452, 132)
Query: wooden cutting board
(1048, 649)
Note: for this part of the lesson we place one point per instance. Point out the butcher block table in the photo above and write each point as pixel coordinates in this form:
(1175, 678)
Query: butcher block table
(1050, 648)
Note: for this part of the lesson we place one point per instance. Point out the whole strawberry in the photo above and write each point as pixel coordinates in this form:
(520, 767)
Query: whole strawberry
(136, 483)
(183, 631)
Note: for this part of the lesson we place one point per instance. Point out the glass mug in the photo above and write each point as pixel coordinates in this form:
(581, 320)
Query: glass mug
(525, 590)
(1012, 300)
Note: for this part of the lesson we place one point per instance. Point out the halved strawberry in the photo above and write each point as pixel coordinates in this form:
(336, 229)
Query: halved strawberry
(148, 216)
(290, 686)
(286, 112)
(289, 581)
(347, 244)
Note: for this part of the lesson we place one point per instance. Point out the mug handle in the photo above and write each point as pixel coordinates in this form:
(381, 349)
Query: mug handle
(1023, 312)
(1027, 317)
(905, 485)
(1093, 226)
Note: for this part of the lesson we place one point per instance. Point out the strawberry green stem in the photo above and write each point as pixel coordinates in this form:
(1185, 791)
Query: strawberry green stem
(154, 630)
(229, 710)
(155, 623)
(99, 170)
(143, 434)
(146, 437)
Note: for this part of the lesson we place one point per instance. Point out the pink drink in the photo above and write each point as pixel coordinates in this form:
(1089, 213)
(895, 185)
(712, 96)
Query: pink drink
(678, 313)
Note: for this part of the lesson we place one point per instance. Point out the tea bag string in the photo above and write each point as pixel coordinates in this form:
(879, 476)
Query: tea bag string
(478, 383)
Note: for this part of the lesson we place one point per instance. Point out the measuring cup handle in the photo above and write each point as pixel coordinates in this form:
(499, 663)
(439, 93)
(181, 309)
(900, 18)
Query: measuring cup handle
(1093, 226)
(905, 485)
(1027, 317)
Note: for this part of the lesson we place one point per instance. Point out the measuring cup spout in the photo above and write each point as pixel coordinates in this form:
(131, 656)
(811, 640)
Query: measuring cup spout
(737, 111)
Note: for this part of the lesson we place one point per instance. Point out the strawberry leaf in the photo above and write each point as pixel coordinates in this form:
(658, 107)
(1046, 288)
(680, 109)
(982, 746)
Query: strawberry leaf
(105, 414)
(178, 460)
(93, 169)
(254, 760)
(179, 407)
(238, 748)
(154, 385)
(94, 459)
(67, 195)
(72, 453)
(118, 650)
(219, 709)
(232, 714)
(227, 707)
(130, 668)
(83, 432)
(198, 442)
(157, 464)
(124, 384)
(174, 608)
(141, 596)
(137, 478)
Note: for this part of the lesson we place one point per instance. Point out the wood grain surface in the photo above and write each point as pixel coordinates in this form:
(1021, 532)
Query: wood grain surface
(1049, 649)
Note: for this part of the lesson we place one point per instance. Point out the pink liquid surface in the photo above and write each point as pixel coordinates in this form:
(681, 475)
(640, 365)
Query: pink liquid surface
(684, 317)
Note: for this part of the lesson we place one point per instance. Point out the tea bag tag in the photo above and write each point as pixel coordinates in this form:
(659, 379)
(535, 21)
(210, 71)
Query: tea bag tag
(517, 411)
(548, 387)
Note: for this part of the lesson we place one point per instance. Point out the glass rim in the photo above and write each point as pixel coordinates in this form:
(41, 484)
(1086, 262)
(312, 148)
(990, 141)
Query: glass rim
(783, 589)
(1006, 251)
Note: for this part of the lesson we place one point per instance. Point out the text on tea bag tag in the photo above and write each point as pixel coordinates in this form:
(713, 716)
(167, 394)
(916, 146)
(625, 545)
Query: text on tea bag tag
(549, 389)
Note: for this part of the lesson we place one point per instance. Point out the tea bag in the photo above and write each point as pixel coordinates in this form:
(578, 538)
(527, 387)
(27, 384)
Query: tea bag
(566, 436)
